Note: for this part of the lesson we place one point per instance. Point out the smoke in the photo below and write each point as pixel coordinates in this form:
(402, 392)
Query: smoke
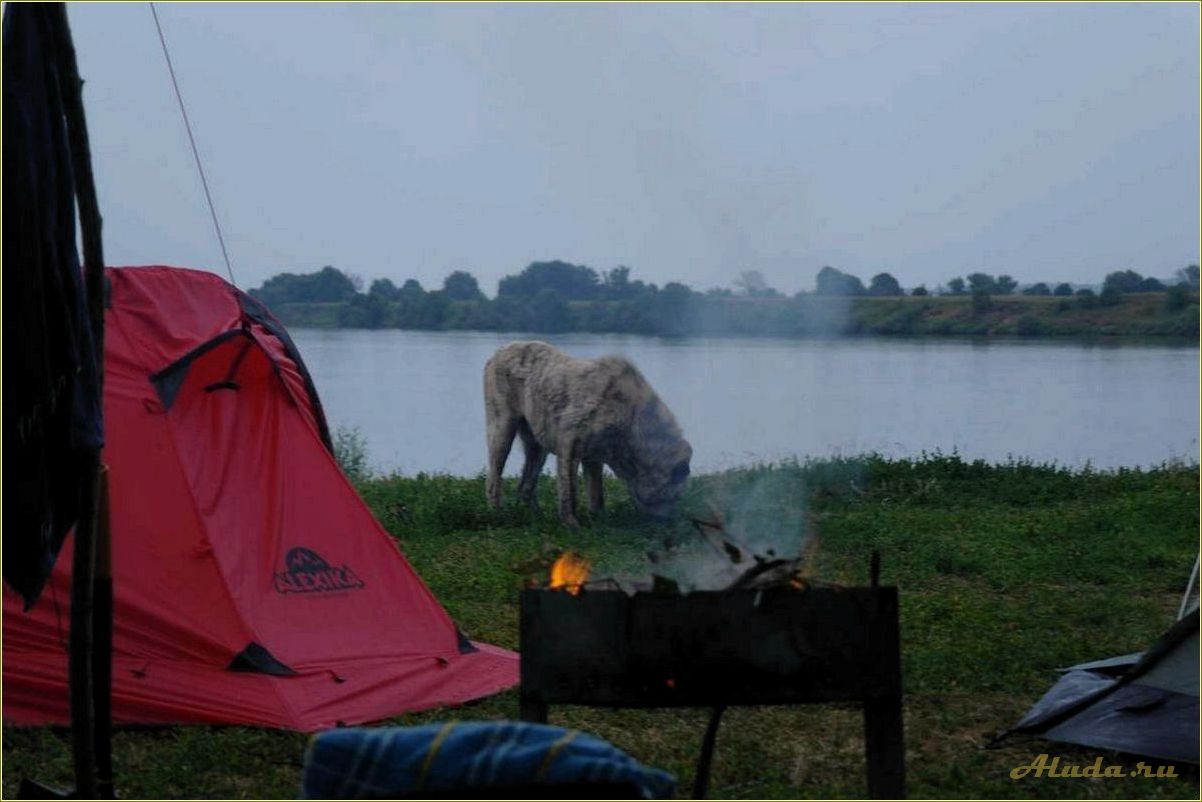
(759, 514)
(779, 316)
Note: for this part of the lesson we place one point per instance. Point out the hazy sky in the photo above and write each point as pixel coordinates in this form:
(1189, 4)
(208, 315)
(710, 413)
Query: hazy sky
(689, 142)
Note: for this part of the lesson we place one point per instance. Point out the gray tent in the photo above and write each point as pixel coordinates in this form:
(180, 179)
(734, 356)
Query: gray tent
(1141, 704)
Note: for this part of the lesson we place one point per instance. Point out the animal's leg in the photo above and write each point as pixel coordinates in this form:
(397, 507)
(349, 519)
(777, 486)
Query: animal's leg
(536, 456)
(500, 440)
(592, 481)
(566, 489)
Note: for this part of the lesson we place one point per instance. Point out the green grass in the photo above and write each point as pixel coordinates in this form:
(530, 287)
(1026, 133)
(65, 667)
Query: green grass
(1006, 573)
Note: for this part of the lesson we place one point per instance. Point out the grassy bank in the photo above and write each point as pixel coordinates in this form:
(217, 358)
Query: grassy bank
(1137, 315)
(1141, 315)
(1006, 573)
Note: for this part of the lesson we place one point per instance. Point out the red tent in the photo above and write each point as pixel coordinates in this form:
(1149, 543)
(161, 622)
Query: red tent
(252, 585)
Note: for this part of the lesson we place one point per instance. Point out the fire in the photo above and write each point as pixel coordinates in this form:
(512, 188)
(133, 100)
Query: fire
(569, 572)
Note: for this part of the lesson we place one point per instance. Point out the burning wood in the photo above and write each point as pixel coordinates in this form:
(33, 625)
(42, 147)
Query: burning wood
(569, 573)
(767, 570)
(740, 567)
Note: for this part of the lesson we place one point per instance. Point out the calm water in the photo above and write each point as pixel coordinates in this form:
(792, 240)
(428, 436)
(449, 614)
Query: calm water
(416, 396)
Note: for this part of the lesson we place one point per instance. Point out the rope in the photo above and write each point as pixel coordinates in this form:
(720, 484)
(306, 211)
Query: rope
(195, 153)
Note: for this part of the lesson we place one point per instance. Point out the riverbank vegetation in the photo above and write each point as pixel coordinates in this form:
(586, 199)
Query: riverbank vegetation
(1006, 572)
(553, 297)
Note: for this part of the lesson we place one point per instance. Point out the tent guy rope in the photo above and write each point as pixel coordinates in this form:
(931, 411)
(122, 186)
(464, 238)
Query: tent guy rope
(192, 139)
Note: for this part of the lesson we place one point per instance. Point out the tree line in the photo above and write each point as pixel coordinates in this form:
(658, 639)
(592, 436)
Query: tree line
(559, 296)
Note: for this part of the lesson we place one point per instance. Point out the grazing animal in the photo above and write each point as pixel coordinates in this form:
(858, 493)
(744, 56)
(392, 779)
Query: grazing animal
(593, 412)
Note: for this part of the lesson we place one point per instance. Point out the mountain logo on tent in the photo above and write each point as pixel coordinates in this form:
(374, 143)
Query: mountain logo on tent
(306, 571)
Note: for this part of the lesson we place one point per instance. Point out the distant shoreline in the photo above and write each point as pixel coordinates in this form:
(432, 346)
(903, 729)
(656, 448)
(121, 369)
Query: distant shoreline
(1139, 315)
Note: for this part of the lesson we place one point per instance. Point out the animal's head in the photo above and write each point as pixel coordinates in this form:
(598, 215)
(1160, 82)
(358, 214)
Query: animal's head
(661, 457)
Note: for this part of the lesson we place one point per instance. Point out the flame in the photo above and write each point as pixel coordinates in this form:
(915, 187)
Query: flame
(569, 572)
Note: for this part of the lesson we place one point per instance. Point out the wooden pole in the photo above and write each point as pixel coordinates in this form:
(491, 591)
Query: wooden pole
(83, 565)
(87, 739)
(102, 642)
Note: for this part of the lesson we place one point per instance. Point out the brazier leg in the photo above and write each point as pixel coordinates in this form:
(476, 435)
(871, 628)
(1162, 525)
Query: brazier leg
(885, 747)
(534, 712)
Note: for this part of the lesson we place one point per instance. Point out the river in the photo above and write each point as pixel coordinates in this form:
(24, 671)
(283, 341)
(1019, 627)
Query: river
(416, 396)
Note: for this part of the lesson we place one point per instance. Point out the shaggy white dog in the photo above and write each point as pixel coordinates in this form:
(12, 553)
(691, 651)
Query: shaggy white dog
(584, 411)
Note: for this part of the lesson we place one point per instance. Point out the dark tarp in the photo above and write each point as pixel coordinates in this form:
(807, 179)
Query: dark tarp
(1143, 705)
(52, 417)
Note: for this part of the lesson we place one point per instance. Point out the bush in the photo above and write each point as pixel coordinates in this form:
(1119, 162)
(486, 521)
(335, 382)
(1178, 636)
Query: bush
(350, 449)
(1111, 296)
(328, 285)
(1123, 281)
(981, 302)
(1177, 298)
(981, 282)
(884, 284)
(570, 282)
(830, 281)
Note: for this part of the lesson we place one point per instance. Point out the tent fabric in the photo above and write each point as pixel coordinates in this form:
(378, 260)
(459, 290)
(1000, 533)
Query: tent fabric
(52, 423)
(252, 585)
(1139, 704)
(1132, 718)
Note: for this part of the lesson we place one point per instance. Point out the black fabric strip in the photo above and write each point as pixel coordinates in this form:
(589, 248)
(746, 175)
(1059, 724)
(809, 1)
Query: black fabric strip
(465, 645)
(168, 381)
(257, 660)
(256, 311)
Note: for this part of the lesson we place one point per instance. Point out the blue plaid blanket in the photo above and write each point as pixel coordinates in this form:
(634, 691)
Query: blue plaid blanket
(356, 762)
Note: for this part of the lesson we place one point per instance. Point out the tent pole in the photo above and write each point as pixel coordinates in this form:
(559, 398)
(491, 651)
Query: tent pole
(1189, 589)
(91, 645)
